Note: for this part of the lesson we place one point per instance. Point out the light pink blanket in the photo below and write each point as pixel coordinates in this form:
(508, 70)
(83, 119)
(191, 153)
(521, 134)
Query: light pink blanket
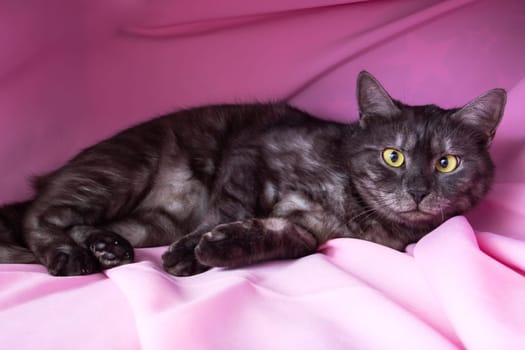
(73, 72)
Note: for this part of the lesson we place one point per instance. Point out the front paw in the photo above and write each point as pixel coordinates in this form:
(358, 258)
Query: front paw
(243, 243)
(180, 259)
(110, 249)
(72, 261)
(228, 245)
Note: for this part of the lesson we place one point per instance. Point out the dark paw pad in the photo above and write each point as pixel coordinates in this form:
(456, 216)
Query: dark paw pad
(72, 261)
(180, 259)
(110, 249)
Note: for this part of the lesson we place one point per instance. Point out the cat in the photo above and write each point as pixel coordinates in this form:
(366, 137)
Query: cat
(232, 185)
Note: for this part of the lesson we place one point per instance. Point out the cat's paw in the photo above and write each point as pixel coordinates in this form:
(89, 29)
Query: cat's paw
(242, 243)
(227, 245)
(180, 259)
(72, 261)
(110, 249)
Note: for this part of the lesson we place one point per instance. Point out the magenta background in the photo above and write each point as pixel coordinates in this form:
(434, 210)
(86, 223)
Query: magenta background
(74, 72)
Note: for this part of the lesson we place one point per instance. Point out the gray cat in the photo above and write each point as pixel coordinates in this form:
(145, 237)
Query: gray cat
(232, 185)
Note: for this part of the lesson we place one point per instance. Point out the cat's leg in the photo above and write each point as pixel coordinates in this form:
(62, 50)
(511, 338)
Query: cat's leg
(297, 228)
(180, 259)
(234, 197)
(103, 183)
(112, 244)
(246, 242)
(75, 239)
(46, 236)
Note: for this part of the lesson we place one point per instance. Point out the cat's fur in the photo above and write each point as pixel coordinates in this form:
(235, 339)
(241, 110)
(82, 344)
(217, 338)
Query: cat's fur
(232, 185)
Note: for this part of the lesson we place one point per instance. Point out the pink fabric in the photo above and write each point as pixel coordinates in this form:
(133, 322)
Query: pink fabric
(73, 72)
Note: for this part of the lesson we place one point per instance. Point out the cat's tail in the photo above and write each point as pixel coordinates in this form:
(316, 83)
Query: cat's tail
(12, 246)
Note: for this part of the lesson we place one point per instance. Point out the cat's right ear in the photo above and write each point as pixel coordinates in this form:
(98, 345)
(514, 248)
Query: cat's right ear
(373, 99)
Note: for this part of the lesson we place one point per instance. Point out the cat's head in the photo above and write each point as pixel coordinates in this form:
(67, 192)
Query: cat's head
(420, 165)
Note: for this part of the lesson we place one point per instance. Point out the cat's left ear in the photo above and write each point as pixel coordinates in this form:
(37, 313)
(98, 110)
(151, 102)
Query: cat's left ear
(484, 113)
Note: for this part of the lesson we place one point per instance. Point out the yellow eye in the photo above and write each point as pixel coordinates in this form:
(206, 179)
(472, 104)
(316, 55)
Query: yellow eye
(393, 157)
(447, 164)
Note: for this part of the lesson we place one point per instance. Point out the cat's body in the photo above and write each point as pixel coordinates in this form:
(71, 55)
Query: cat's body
(237, 184)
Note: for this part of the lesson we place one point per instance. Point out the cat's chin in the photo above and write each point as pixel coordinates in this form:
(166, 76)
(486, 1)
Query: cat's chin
(416, 218)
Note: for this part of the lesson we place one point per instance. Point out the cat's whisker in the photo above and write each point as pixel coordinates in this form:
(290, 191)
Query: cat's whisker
(370, 212)
(364, 214)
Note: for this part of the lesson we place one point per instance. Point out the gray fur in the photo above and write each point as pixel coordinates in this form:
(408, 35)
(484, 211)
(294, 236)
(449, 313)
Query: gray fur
(233, 185)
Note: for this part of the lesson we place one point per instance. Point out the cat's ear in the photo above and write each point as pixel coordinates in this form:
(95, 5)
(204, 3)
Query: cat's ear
(373, 99)
(484, 112)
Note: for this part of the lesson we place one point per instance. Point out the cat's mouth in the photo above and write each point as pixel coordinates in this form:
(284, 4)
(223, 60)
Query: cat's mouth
(416, 215)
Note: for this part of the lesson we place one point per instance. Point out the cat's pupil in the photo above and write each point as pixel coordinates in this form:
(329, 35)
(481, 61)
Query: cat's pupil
(394, 157)
(443, 162)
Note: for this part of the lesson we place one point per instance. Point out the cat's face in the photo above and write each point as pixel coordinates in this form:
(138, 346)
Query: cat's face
(418, 166)
(421, 168)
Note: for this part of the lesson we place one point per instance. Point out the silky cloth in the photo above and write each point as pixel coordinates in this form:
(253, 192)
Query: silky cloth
(75, 72)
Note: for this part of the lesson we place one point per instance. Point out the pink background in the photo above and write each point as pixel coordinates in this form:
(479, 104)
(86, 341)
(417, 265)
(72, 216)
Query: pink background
(74, 72)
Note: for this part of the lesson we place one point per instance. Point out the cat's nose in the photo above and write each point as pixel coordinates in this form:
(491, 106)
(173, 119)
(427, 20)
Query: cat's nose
(418, 195)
